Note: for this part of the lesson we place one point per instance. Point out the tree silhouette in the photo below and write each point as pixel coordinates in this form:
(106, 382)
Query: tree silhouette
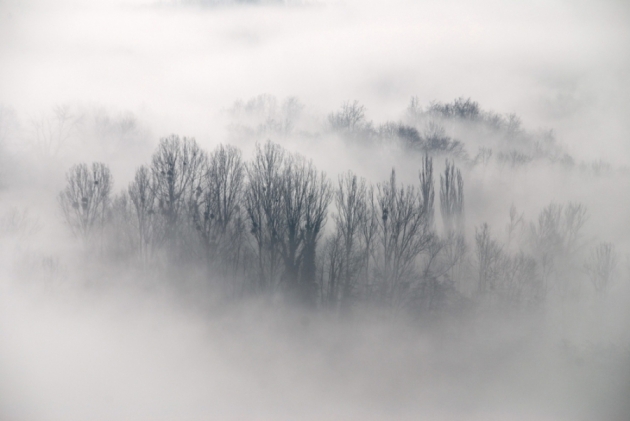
(177, 170)
(148, 222)
(452, 200)
(216, 209)
(85, 199)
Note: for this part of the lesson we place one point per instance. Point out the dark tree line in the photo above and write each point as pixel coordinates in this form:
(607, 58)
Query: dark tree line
(276, 224)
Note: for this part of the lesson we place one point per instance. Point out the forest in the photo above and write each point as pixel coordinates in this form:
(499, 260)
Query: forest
(274, 224)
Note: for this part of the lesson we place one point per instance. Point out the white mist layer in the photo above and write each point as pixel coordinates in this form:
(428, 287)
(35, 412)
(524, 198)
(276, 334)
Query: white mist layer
(120, 355)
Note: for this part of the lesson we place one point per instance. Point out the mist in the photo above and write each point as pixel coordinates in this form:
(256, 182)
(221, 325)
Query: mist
(427, 217)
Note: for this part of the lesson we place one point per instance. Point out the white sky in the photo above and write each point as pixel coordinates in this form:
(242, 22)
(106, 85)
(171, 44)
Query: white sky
(558, 64)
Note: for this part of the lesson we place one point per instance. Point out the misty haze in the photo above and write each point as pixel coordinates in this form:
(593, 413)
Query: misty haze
(314, 210)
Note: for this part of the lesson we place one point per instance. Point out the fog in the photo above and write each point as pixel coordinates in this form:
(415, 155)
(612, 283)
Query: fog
(123, 303)
(561, 65)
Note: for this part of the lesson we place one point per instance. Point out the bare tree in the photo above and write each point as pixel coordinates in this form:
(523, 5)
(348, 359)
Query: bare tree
(489, 259)
(177, 171)
(403, 233)
(415, 111)
(351, 219)
(305, 195)
(263, 115)
(516, 224)
(427, 188)
(51, 133)
(575, 216)
(441, 256)
(513, 280)
(520, 284)
(601, 266)
(121, 231)
(263, 204)
(350, 118)
(291, 111)
(293, 195)
(452, 200)
(318, 197)
(462, 109)
(483, 157)
(556, 237)
(436, 141)
(332, 280)
(148, 222)
(368, 234)
(287, 202)
(217, 214)
(85, 199)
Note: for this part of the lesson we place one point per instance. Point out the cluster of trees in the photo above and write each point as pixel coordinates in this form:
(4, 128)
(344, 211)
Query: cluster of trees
(460, 130)
(65, 131)
(277, 224)
(448, 128)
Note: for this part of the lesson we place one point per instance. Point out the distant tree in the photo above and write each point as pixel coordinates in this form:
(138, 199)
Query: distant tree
(443, 254)
(514, 158)
(121, 239)
(369, 238)
(411, 137)
(520, 283)
(351, 218)
(148, 222)
(389, 131)
(490, 258)
(177, 171)
(110, 134)
(427, 189)
(333, 273)
(515, 226)
(304, 200)
(402, 235)
(287, 202)
(51, 133)
(294, 185)
(512, 144)
(512, 279)
(557, 231)
(216, 209)
(414, 111)
(601, 266)
(263, 197)
(437, 142)
(452, 200)
(263, 115)
(441, 257)
(291, 111)
(349, 118)
(483, 157)
(19, 223)
(461, 108)
(555, 238)
(262, 107)
(85, 200)
(318, 198)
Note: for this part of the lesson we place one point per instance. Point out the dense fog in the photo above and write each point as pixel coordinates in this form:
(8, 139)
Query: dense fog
(314, 210)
